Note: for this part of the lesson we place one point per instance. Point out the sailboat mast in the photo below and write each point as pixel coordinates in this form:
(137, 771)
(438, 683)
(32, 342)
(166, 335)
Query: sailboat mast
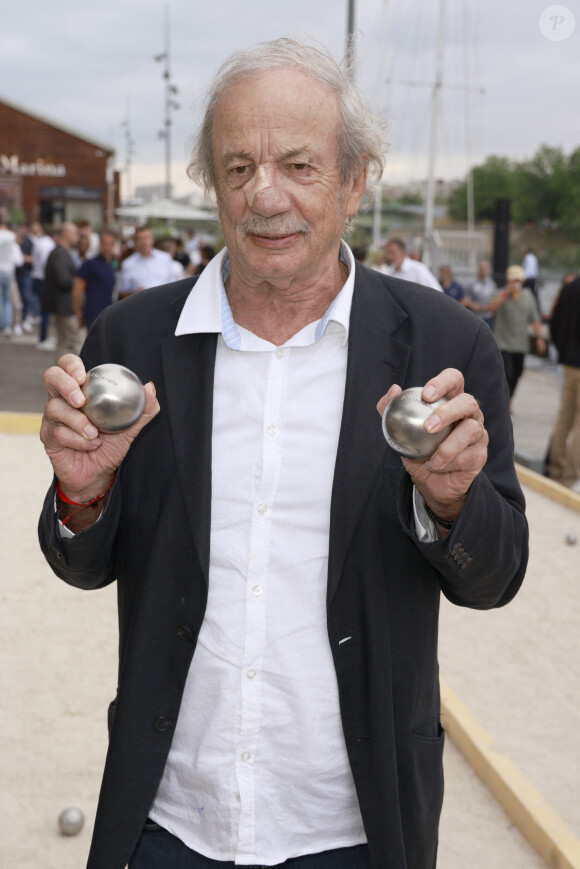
(469, 178)
(435, 103)
(382, 108)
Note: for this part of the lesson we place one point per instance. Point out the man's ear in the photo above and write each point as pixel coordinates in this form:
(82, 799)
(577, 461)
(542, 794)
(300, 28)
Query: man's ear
(355, 188)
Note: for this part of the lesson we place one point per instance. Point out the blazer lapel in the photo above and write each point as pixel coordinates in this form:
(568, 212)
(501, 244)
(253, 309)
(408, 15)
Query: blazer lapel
(376, 360)
(188, 371)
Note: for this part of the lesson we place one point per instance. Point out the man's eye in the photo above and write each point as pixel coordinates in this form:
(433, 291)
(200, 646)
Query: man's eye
(239, 170)
(300, 167)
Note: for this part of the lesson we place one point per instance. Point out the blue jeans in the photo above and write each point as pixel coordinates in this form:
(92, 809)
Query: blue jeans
(24, 282)
(5, 301)
(38, 290)
(158, 849)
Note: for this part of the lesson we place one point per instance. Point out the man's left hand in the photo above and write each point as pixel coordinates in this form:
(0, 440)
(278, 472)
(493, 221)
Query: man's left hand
(444, 479)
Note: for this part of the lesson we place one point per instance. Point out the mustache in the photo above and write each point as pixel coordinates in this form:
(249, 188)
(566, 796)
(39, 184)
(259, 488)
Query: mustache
(278, 224)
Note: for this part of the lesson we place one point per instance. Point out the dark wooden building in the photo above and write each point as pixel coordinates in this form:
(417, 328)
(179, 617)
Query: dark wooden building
(52, 173)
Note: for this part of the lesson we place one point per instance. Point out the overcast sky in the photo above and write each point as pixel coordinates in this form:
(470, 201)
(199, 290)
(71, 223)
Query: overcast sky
(84, 64)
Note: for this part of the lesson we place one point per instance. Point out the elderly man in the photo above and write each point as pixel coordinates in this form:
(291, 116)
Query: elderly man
(279, 566)
(147, 267)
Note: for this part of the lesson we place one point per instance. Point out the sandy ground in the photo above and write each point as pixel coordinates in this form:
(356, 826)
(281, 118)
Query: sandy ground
(516, 668)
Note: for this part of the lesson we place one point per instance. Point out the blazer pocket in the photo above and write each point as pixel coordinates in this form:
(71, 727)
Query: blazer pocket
(429, 731)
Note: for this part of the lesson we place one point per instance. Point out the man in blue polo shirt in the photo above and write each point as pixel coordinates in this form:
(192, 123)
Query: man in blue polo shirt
(450, 286)
(93, 286)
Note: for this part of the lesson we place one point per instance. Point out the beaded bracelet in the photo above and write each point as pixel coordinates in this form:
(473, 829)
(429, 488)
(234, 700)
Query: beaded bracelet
(444, 523)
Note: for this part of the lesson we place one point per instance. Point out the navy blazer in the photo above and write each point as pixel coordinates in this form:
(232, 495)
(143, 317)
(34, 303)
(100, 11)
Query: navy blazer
(383, 583)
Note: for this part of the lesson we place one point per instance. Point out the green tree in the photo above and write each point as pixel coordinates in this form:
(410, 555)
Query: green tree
(539, 186)
(492, 180)
(569, 209)
(544, 190)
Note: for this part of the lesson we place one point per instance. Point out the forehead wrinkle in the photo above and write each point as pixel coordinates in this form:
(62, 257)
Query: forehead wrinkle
(272, 127)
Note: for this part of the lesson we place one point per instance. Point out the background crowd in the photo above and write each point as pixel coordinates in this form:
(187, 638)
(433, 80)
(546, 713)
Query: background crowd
(69, 275)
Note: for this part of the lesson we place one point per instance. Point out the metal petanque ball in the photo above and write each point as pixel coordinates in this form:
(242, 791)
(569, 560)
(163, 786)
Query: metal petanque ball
(70, 821)
(403, 427)
(115, 398)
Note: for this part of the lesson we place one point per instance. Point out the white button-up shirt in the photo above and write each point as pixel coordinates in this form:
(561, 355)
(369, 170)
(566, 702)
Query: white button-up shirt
(139, 272)
(258, 770)
(415, 271)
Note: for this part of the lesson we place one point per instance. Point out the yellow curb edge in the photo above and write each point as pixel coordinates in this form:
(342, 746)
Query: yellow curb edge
(20, 423)
(539, 823)
(548, 487)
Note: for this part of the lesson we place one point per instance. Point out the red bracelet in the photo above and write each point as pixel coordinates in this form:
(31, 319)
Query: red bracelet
(67, 500)
(62, 497)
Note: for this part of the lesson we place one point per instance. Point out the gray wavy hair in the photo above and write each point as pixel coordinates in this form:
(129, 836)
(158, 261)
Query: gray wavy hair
(361, 134)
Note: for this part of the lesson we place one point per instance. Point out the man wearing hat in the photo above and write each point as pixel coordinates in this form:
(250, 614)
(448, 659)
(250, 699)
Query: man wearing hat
(515, 308)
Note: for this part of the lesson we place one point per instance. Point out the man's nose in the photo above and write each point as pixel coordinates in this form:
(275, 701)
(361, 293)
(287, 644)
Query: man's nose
(264, 193)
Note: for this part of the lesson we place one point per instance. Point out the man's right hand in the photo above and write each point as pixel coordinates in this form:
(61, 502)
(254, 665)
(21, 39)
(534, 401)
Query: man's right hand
(84, 459)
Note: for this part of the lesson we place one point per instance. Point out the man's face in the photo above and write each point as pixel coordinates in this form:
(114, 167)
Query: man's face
(394, 255)
(144, 242)
(483, 270)
(282, 205)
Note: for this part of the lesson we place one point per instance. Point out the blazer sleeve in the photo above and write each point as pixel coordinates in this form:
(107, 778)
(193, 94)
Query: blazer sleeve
(87, 559)
(481, 564)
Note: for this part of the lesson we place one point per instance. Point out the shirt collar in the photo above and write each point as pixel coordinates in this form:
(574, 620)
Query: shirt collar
(207, 308)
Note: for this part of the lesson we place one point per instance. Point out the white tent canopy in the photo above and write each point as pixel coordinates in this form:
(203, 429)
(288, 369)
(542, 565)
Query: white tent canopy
(164, 209)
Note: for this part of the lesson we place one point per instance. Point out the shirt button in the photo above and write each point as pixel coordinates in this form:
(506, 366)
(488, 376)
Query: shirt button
(279, 353)
(251, 674)
(257, 590)
(272, 429)
(246, 755)
(262, 508)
